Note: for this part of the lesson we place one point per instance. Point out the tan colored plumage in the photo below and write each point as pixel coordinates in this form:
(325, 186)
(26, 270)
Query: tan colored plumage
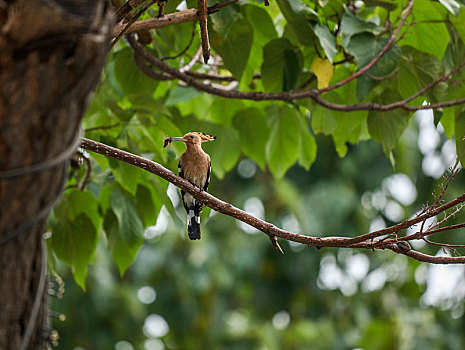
(194, 166)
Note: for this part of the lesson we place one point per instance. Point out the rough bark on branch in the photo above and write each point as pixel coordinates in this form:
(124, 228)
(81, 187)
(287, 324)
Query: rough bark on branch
(47, 72)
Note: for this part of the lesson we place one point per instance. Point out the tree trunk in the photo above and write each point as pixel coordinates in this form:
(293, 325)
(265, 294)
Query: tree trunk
(51, 56)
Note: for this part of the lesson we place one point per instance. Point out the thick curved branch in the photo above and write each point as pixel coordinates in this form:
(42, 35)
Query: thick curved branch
(363, 241)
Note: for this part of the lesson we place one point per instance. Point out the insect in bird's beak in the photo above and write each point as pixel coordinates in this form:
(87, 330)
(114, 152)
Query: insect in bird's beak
(168, 140)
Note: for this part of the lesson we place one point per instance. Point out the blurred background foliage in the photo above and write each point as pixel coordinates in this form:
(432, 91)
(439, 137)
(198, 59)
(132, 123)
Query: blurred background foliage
(134, 280)
(233, 290)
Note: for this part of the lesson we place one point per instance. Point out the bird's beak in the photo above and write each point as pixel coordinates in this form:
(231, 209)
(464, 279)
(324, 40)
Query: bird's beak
(177, 139)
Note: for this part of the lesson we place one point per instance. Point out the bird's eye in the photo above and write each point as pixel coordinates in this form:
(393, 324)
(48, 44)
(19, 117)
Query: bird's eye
(192, 136)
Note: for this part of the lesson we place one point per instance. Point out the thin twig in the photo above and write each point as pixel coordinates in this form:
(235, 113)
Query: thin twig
(130, 23)
(444, 244)
(192, 62)
(387, 76)
(127, 7)
(184, 50)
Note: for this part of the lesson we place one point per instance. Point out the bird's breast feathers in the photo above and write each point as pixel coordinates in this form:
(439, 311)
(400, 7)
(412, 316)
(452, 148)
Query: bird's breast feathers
(195, 166)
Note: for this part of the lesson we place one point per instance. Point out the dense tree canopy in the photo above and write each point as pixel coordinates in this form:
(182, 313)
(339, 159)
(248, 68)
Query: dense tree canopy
(333, 118)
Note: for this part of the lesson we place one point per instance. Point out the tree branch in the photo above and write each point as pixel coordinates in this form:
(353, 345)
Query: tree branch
(127, 7)
(128, 25)
(203, 15)
(171, 18)
(362, 241)
(313, 94)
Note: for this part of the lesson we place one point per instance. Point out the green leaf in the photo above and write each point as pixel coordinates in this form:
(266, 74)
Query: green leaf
(282, 148)
(307, 145)
(387, 126)
(182, 94)
(235, 47)
(122, 252)
(221, 22)
(349, 129)
(78, 202)
(264, 31)
(167, 127)
(295, 12)
(327, 41)
(407, 81)
(281, 65)
(147, 204)
(459, 134)
(192, 103)
(459, 23)
(223, 110)
(387, 4)
(352, 24)
(254, 133)
(104, 197)
(324, 120)
(448, 121)
(418, 69)
(129, 76)
(170, 40)
(224, 151)
(343, 127)
(159, 187)
(365, 46)
(429, 33)
(129, 223)
(74, 240)
(126, 175)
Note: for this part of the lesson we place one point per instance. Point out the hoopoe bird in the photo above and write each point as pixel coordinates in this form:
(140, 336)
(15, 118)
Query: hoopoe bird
(194, 166)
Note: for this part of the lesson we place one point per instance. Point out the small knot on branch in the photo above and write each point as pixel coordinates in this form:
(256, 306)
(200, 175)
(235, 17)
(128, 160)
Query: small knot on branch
(403, 246)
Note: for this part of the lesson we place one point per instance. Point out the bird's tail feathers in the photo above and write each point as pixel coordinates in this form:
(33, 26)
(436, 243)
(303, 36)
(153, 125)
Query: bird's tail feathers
(193, 223)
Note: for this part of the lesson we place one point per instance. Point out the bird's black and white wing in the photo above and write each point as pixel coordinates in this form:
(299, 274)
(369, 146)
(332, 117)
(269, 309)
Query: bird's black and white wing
(207, 181)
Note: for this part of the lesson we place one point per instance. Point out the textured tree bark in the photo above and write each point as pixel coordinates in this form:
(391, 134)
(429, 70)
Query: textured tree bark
(51, 56)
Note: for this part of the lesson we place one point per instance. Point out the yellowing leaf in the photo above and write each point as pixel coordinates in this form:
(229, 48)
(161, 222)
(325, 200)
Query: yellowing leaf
(323, 70)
